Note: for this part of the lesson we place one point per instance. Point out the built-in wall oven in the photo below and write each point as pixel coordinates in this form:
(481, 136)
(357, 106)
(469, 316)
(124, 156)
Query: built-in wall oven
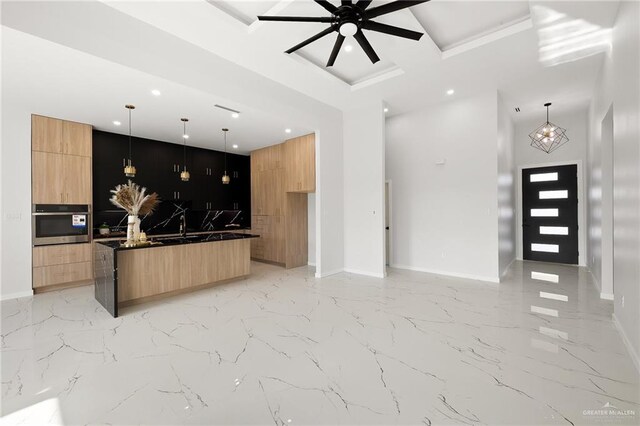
(60, 224)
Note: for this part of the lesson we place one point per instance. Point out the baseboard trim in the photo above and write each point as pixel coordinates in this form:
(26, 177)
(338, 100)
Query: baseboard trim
(627, 342)
(606, 296)
(495, 280)
(366, 273)
(326, 274)
(17, 295)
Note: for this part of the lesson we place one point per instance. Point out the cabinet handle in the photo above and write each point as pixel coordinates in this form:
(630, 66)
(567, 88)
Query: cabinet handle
(178, 195)
(124, 163)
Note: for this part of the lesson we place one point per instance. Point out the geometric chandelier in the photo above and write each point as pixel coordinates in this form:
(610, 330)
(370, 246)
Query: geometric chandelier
(548, 137)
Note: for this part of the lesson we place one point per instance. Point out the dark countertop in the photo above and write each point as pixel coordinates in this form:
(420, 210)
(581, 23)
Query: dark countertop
(123, 234)
(175, 241)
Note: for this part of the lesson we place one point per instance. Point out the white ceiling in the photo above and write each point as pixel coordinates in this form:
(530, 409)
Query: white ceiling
(469, 46)
(57, 81)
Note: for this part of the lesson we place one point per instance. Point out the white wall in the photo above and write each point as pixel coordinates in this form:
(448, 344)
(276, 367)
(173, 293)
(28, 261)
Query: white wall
(574, 151)
(618, 85)
(15, 164)
(445, 216)
(626, 173)
(506, 190)
(364, 199)
(600, 200)
(311, 226)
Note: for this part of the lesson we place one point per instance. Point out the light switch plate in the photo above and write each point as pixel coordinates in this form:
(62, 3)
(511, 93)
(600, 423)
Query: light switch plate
(13, 216)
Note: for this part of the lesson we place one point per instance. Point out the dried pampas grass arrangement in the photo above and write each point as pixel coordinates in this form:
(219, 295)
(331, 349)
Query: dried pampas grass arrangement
(133, 199)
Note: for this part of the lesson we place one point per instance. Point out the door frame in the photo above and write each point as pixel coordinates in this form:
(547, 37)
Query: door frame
(389, 220)
(582, 204)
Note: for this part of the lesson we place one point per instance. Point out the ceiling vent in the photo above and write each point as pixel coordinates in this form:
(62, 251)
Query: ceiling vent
(227, 108)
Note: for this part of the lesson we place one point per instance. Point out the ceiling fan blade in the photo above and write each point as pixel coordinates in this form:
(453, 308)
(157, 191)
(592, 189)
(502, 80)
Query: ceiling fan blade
(311, 39)
(363, 4)
(336, 50)
(346, 2)
(390, 29)
(366, 46)
(327, 19)
(391, 7)
(324, 3)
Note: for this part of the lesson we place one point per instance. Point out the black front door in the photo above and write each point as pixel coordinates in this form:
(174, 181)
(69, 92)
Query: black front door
(550, 214)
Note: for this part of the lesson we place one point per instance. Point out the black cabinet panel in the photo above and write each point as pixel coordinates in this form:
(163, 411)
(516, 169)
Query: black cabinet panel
(158, 167)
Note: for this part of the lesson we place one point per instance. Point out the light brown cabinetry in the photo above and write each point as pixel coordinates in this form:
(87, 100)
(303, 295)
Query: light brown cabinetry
(46, 134)
(61, 265)
(76, 139)
(281, 175)
(60, 136)
(58, 255)
(47, 178)
(60, 178)
(149, 272)
(61, 174)
(300, 160)
(77, 179)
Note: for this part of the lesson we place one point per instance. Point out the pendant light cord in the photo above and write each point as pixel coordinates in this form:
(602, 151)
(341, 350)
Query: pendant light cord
(184, 151)
(129, 136)
(225, 153)
(547, 114)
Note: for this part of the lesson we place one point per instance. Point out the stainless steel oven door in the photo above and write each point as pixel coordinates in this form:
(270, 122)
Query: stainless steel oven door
(60, 228)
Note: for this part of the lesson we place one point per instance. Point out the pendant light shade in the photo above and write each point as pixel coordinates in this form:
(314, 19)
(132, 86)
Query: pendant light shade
(129, 169)
(184, 174)
(225, 178)
(548, 137)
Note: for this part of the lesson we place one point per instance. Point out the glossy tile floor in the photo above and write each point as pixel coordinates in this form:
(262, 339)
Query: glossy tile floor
(284, 348)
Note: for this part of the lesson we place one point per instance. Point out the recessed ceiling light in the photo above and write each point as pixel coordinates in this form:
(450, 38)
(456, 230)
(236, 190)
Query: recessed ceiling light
(348, 48)
(235, 115)
(116, 123)
(155, 92)
(450, 92)
(235, 146)
(185, 136)
(386, 110)
(287, 130)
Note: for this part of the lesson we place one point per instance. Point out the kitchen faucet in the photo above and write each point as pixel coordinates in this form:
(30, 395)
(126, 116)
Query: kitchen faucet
(183, 226)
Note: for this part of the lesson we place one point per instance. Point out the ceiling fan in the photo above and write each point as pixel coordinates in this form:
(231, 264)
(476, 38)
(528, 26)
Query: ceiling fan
(349, 19)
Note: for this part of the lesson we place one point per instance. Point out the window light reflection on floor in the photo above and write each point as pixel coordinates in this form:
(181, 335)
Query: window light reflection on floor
(543, 276)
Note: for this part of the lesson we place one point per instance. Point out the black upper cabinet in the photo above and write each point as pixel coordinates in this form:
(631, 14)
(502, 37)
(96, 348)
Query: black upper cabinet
(239, 189)
(109, 152)
(158, 166)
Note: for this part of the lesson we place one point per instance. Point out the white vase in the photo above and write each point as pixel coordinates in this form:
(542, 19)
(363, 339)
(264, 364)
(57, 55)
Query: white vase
(136, 229)
(131, 223)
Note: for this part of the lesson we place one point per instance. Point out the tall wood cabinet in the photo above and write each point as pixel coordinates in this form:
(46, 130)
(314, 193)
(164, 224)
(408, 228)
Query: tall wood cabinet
(61, 174)
(281, 177)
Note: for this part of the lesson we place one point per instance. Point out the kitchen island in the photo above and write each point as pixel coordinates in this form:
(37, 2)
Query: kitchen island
(130, 275)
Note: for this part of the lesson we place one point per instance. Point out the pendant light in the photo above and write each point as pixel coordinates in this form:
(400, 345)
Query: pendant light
(225, 178)
(129, 169)
(184, 174)
(548, 137)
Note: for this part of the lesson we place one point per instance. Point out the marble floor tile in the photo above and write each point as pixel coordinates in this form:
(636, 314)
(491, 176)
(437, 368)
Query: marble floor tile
(284, 348)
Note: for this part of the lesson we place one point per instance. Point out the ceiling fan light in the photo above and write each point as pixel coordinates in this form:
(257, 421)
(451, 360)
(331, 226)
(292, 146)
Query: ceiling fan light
(348, 29)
